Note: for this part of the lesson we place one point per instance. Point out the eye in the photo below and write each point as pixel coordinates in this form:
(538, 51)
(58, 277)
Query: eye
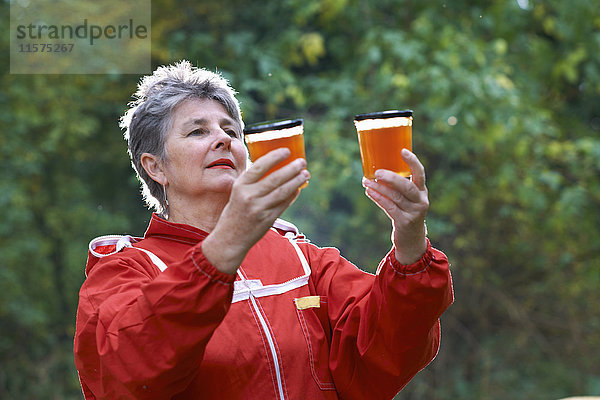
(231, 133)
(197, 132)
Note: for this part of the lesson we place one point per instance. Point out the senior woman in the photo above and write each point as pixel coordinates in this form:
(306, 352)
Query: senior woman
(221, 299)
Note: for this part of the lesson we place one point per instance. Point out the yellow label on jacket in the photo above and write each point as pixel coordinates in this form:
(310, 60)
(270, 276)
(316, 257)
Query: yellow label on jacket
(303, 303)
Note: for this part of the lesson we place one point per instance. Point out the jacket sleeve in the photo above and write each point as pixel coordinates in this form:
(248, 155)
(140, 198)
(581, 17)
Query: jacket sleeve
(385, 328)
(142, 334)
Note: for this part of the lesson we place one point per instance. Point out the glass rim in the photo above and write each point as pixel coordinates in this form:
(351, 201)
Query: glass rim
(384, 114)
(272, 125)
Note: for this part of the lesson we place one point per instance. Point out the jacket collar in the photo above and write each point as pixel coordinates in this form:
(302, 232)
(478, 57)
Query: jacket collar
(160, 227)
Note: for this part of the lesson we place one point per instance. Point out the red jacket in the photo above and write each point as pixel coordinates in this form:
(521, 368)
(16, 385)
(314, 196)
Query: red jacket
(298, 322)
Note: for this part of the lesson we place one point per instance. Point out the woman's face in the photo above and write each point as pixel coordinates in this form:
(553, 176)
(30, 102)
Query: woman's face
(204, 151)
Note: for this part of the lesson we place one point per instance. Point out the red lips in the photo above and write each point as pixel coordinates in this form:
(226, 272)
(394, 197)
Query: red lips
(221, 163)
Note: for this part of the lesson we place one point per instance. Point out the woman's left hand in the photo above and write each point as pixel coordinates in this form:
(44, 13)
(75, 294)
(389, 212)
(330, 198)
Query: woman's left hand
(406, 203)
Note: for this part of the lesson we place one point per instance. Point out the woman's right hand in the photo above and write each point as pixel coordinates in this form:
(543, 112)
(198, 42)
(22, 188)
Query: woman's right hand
(254, 204)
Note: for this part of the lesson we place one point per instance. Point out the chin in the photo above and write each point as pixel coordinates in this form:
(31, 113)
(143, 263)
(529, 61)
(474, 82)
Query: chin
(223, 185)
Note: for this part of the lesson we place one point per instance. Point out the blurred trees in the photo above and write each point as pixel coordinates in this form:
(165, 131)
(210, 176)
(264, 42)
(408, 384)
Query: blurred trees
(507, 123)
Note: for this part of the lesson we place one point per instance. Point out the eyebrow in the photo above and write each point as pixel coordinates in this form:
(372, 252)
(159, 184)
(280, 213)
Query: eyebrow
(204, 121)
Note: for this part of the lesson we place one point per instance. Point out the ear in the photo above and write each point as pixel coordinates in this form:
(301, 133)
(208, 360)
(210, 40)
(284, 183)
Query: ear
(154, 168)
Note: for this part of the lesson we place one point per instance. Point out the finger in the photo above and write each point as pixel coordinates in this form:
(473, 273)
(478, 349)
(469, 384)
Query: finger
(275, 203)
(395, 196)
(396, 186)
(416, 168)
(285, 188)
(282, 175)
(258, 168)
(398, 215)
(382, 202)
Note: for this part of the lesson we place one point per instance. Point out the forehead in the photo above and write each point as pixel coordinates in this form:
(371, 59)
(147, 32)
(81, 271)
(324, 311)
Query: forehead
(197, 111)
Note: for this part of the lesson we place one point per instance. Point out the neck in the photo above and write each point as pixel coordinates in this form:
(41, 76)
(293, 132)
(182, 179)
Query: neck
(202, 213)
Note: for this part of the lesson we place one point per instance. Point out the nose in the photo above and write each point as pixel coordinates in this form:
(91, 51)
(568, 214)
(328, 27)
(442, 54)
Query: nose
(221, 139)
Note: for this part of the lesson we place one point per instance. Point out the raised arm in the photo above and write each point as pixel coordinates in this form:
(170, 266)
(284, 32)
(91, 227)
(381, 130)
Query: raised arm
(141, 334)
(255, 203)
(385, 328)
(406, 203)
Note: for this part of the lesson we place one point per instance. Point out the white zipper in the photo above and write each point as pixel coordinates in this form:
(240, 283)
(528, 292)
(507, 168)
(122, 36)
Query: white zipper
(271, 345)
(267, 332)
(254, 289)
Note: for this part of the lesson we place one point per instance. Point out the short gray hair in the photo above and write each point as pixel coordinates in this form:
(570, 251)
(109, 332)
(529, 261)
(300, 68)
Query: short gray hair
(149, 117)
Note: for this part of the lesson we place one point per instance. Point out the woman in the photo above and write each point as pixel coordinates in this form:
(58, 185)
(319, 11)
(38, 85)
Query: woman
(221, 299)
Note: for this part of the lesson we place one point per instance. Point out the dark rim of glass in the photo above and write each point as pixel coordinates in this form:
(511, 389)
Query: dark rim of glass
(384, 114)
(272, 125)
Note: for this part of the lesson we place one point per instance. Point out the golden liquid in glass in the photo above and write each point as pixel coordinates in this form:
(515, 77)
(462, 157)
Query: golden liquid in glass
(258, 148)
(380, 149)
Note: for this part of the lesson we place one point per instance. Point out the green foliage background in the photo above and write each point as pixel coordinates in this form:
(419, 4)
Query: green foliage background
(506, 97)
